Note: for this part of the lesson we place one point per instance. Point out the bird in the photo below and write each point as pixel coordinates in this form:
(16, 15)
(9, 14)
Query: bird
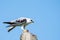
(22, 22)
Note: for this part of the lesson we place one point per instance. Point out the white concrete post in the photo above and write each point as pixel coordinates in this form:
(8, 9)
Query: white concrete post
(26, 35)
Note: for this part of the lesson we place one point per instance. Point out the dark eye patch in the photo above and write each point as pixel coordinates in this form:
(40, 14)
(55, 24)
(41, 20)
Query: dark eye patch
(31, 20)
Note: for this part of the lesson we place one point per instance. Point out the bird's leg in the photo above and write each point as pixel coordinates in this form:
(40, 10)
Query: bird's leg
(24, 27)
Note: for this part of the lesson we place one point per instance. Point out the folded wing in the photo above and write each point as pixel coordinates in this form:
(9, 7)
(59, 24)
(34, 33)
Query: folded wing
(9, 22)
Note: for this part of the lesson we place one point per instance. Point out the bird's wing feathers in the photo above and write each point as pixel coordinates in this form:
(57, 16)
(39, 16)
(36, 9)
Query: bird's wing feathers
(24, 20)
(21, 21)
(9, 22)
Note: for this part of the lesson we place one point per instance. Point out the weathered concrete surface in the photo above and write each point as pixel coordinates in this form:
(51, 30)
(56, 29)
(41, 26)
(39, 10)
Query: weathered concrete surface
(26, 35)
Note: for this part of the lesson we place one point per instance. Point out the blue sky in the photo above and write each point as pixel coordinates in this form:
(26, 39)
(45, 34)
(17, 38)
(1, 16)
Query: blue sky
(45, 13)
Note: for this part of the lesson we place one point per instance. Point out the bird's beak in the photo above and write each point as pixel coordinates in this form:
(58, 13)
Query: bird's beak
(32, 21)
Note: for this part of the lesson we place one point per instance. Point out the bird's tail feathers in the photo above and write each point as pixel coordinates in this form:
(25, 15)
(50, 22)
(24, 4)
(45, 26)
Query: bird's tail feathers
(10, 28)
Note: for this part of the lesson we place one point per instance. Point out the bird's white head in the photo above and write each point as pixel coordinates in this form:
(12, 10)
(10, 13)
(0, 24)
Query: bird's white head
(29, 20)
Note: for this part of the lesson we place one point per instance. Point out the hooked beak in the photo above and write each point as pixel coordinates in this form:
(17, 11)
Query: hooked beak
(32, 21)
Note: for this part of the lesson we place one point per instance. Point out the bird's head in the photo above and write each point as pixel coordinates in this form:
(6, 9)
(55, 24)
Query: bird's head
(29, 20)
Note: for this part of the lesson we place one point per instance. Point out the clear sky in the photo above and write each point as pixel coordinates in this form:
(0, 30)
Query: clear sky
(45, 13)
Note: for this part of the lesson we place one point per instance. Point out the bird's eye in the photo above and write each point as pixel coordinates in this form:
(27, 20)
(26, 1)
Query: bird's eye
(31, 20)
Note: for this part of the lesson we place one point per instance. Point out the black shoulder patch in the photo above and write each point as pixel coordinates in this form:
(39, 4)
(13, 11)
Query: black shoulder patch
(24, 20)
